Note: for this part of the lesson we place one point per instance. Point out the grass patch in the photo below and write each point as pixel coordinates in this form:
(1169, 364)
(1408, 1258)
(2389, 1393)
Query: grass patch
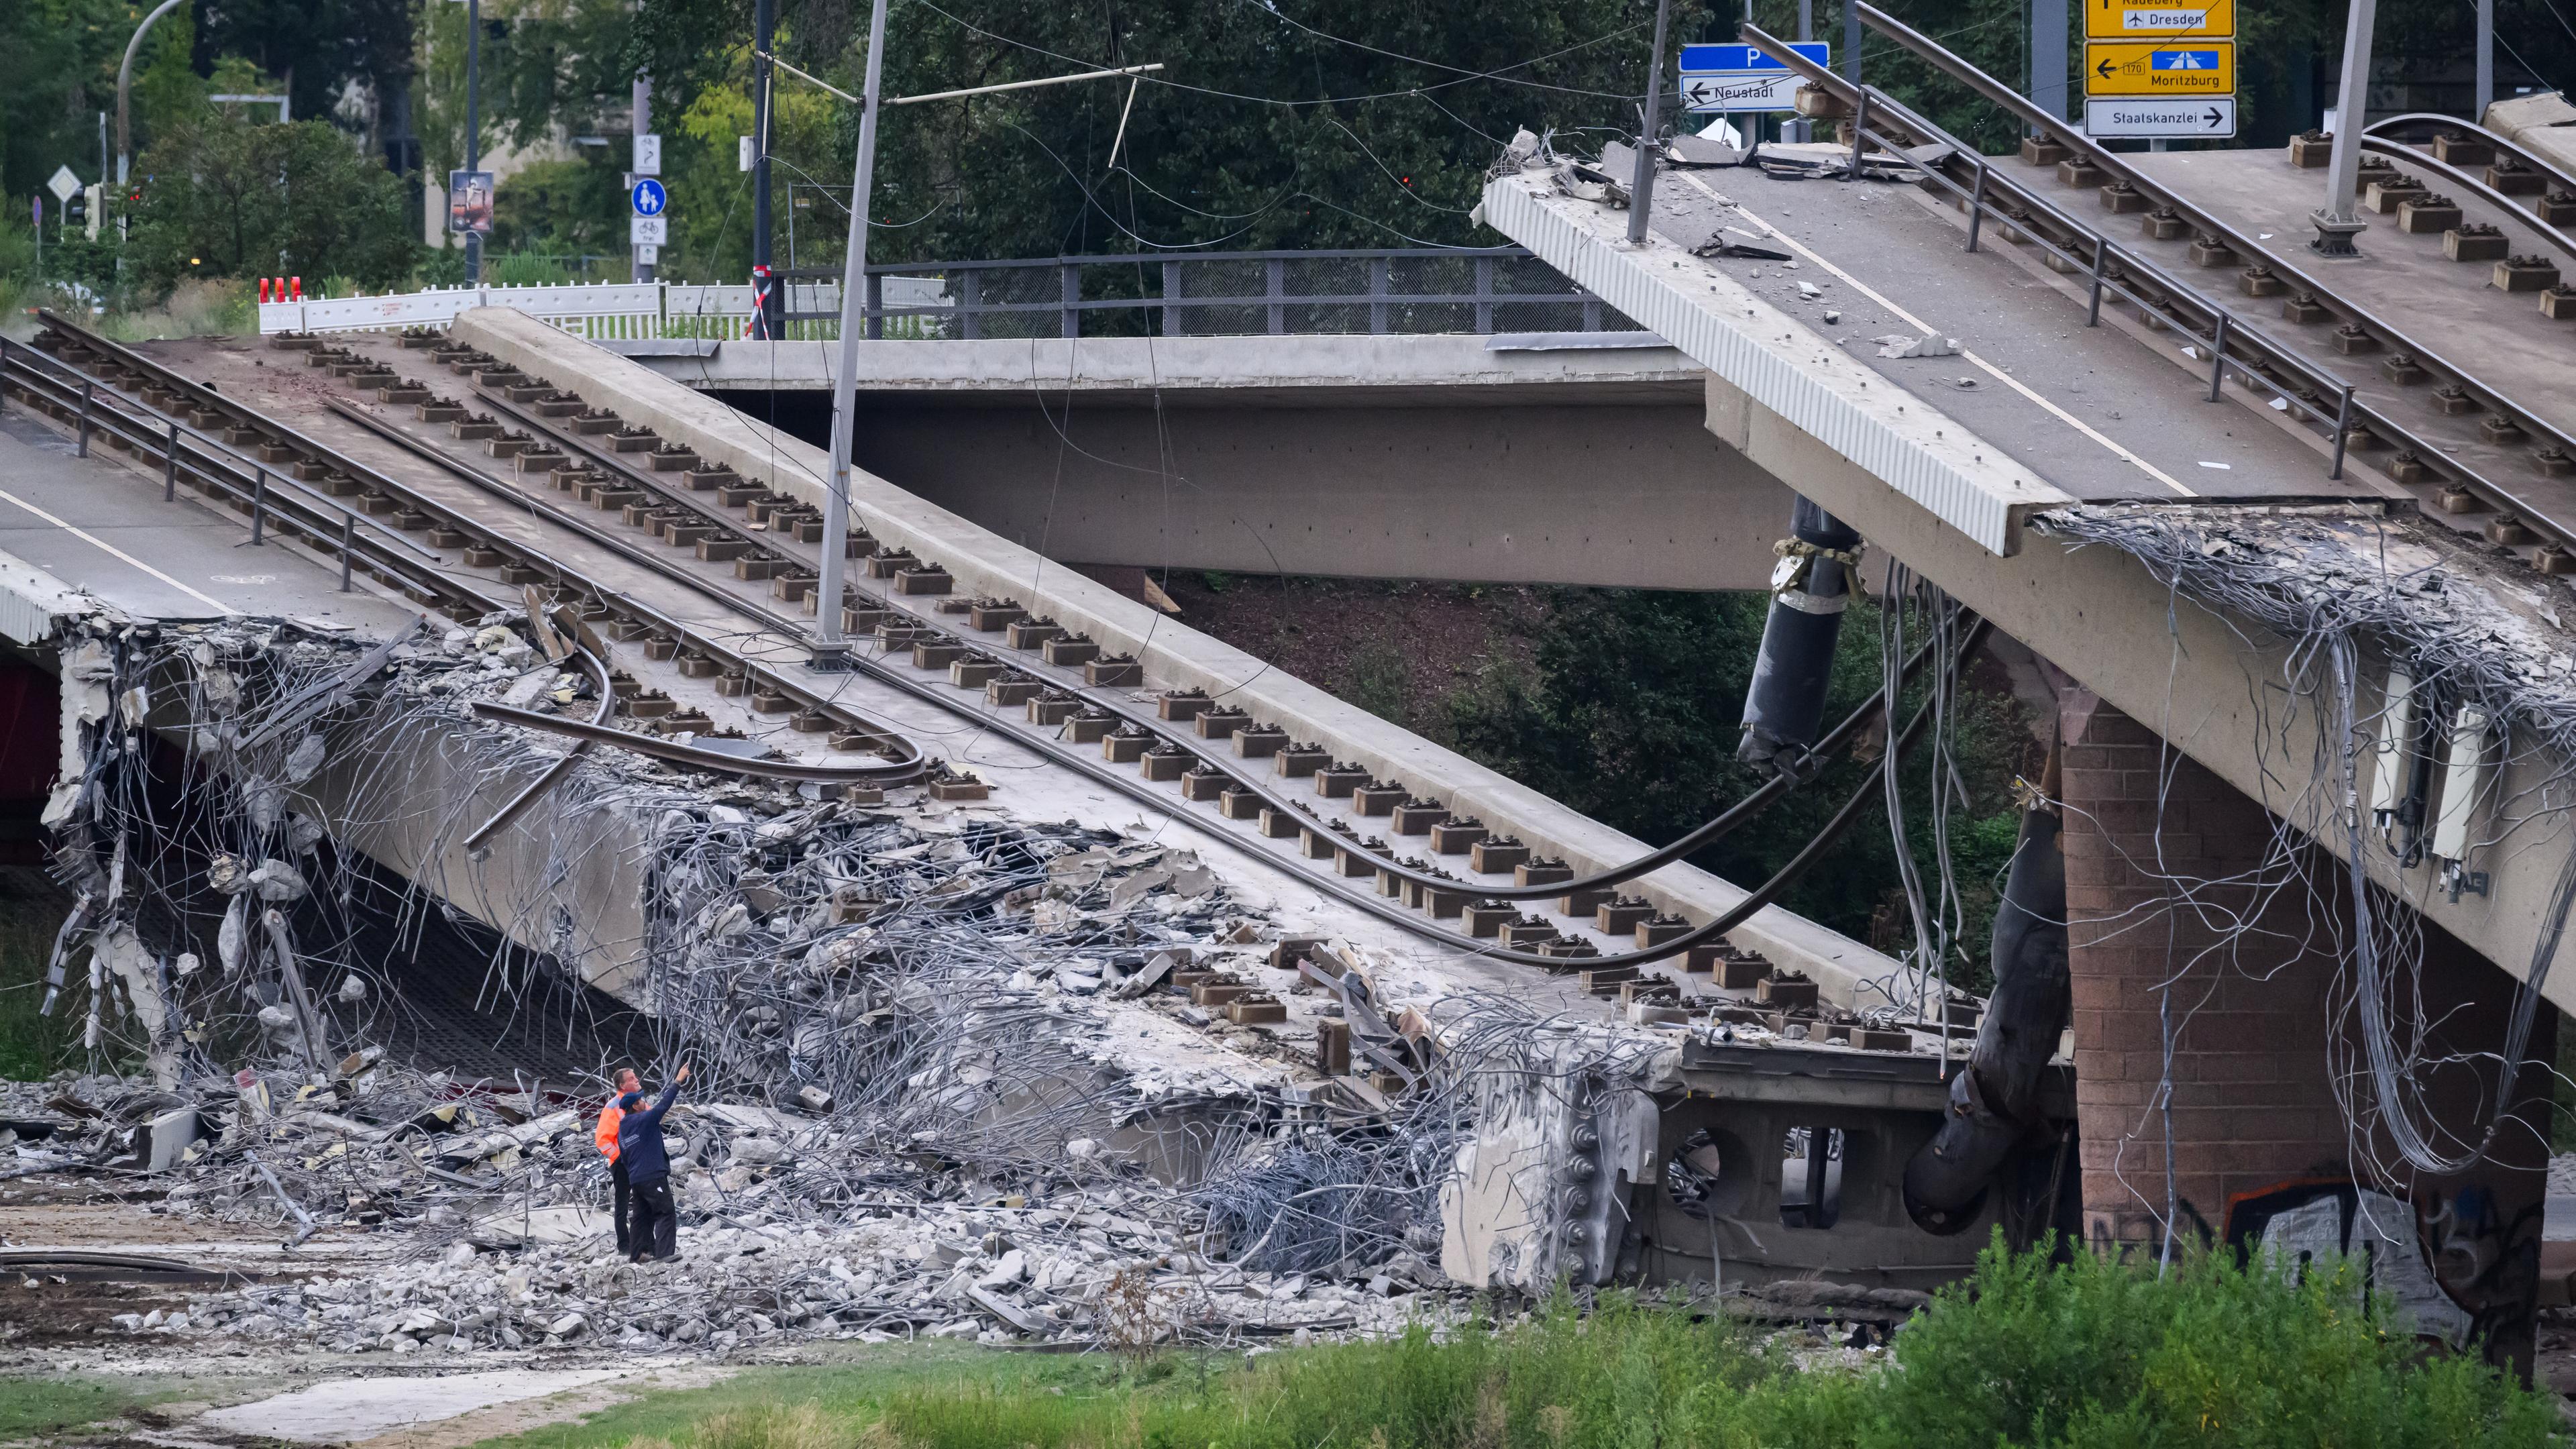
(56, 1402)
(848, 1395)
(32, 1047)
(2023, 1354)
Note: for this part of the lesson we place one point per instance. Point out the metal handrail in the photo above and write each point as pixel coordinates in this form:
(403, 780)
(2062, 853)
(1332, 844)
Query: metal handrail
(968, 307)
(217, 464)
(907, 269)
(2107, 281)
(2067, 134)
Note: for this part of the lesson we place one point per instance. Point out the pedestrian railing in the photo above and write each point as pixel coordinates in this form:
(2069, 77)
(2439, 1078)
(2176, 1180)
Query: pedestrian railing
(1482, 290)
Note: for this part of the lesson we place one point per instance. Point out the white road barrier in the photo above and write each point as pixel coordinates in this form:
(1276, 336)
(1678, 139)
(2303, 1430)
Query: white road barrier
(604, 311)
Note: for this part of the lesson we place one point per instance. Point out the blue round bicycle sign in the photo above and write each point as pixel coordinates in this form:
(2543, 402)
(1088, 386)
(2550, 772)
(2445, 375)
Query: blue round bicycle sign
(649, 197)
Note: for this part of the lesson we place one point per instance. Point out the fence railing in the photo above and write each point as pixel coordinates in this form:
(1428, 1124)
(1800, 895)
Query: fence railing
(1480, 290)
(1483, 290)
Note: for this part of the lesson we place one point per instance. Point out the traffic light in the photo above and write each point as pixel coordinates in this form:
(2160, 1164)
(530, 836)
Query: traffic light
(76, 209)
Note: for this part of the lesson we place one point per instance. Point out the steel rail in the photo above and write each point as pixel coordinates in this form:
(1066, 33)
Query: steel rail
(1136, 789)
(1382, 862)
(2497, 139)
(552, 774)
(1056, 749)
(2197, 316)
(245, 471)
(354, 551)
(692, 756)
(1108, 701)
(2476, 186)
(2110, 163)
(910, 760)
(208, 397)
(2198, 313)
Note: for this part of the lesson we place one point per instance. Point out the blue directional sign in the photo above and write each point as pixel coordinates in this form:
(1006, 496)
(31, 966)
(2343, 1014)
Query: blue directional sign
(649, 197)
(1745, 57)
(1738, 78)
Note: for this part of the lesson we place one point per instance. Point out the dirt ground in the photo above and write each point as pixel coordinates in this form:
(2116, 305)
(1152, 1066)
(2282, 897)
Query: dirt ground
(55, 1306)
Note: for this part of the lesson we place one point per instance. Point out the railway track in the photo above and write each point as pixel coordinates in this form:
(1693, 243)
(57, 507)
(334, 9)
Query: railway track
(579, 473)
(2470, 452)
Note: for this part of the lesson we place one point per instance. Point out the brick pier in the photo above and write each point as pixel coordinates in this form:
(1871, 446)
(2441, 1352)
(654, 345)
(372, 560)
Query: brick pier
(2252, 1011)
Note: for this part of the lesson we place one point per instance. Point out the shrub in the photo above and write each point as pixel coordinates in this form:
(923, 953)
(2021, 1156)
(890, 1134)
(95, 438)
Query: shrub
(226, 196)
(2103, 1353)
(2095, 1353)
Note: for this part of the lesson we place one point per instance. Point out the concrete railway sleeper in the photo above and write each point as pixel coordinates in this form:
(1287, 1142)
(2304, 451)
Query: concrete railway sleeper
(2450, 129)
(909, 763)
(2439, 451)
(1386, 863)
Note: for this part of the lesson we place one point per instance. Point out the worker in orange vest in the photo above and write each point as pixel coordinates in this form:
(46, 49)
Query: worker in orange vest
(606, 1138)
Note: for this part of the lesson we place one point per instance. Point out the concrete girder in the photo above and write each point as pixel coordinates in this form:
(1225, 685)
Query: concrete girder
(1432, 456)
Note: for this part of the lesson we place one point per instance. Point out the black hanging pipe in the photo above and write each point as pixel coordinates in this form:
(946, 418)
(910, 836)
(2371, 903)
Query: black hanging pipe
(1994, 1106)
(1810, 589)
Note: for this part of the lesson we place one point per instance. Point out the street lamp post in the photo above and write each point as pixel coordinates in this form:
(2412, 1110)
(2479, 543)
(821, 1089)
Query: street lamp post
(473, 129)
(125, 90)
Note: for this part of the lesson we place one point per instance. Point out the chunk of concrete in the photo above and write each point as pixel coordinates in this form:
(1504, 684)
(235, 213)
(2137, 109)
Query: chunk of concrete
(167, 1138)
(519, 1227)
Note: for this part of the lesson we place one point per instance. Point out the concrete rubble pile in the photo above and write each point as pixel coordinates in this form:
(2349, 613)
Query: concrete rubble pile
(955, 1069)
(948, 1074)
(523, 1257)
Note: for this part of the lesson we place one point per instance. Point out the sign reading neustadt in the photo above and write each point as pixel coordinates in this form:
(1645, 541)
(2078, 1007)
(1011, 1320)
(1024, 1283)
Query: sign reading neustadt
(1739, 78)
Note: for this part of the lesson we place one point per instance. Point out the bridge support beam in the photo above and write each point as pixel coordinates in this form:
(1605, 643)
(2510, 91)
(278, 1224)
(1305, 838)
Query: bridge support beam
(2209, 994)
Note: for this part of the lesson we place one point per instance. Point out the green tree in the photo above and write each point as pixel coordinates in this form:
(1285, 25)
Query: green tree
(230, 197)
(1630, 712)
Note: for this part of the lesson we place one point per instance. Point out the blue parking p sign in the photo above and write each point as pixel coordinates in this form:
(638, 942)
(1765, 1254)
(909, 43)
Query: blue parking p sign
(649, 197)
(1739, 78)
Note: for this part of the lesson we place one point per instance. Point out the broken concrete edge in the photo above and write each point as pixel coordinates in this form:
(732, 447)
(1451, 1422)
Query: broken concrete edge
(2539, 124)
(467, 764)
(2184, 674)
(34, 604)
(1774, 359)
(1352, 367)
(984, 563)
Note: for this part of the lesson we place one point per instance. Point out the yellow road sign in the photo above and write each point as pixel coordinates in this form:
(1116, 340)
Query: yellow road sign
(2160, 68)
(2139, 19)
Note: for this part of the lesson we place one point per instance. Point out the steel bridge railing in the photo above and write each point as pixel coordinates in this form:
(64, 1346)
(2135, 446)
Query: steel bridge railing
(1398, 290)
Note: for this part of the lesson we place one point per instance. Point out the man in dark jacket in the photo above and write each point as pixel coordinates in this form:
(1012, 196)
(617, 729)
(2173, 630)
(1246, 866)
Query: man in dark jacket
(622, 1209)
(648, 1173)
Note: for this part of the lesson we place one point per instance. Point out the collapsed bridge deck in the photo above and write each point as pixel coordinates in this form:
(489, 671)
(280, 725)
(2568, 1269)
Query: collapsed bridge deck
(509, 501)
